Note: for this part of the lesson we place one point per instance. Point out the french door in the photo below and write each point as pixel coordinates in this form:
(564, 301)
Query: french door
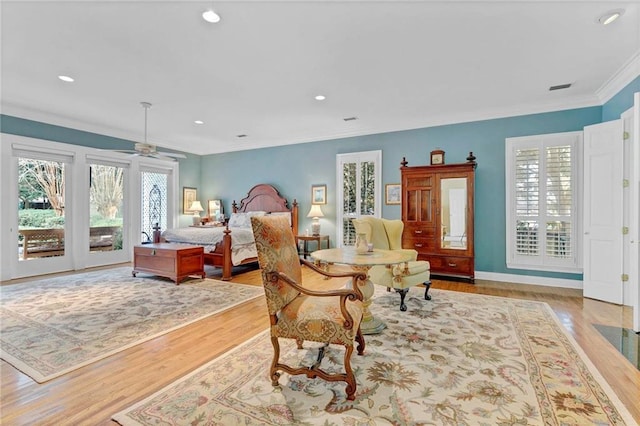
(359, 177)
(42, 184)
(105, 227)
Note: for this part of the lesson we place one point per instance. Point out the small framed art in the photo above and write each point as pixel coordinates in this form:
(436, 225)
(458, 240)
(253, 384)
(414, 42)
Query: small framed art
(392, 193)
(189, 195)
(437, 156)
(319, 194)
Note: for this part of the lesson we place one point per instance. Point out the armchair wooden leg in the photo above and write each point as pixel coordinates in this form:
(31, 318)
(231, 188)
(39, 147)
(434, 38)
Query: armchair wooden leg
(350, 378)
(273, 372)
(427, 285)
(360, 340)
(403, 292)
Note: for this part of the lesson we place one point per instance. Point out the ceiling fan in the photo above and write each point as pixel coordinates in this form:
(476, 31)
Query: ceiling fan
(145, 149)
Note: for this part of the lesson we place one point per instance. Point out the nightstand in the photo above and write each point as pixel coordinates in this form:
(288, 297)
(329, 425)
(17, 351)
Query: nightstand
(306, 238)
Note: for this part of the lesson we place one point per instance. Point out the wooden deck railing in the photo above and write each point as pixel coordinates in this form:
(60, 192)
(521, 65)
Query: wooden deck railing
(46, 242)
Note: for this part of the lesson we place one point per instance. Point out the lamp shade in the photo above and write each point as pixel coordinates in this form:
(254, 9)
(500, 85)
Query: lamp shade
(196, 207)
(315, 211)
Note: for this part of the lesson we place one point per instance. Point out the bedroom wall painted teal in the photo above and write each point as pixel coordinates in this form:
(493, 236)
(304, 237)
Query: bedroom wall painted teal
(293, 169)
(622, 101)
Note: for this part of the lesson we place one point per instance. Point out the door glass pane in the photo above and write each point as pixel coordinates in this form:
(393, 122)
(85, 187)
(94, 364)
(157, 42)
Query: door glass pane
(367, 188)
(40, 208)
(105, 207)
(154, 204)
(348, 203)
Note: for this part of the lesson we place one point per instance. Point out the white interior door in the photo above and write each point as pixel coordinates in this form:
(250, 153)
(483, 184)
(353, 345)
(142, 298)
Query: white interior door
(603, 186)
(634, 224)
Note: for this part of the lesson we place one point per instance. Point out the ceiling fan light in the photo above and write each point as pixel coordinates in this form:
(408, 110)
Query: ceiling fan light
(210, 15)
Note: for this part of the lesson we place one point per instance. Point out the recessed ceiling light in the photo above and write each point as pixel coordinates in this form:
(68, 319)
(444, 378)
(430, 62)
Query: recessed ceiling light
(66, 78)
(210, 15)
(199, 122)
(610, 16)
(320, 97)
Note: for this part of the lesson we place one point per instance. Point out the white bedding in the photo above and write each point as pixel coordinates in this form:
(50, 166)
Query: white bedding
(242, 242)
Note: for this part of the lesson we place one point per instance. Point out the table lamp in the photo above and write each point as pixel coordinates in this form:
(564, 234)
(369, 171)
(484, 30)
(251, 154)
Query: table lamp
(316, 214)
(196, 207)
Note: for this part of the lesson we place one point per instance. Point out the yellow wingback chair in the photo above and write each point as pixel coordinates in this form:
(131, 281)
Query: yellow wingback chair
(386, 234)
(296, 312)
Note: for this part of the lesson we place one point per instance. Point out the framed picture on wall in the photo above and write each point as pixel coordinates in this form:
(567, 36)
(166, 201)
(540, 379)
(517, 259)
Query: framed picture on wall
(392, 193)
(189, 195)
(319, 194)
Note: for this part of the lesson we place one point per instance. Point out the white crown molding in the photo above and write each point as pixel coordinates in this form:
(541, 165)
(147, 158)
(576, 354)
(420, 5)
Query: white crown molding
(63, 121)
(625, 75)
(529, 279)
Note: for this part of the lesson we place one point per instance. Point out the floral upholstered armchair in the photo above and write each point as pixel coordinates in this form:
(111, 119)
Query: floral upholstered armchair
(295, 312)
(386, 234)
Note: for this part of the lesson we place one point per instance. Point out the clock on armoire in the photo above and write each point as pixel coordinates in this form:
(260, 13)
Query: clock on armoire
(437, 211)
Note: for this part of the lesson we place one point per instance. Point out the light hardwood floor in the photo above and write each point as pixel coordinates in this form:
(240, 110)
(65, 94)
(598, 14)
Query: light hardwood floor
(90, 395)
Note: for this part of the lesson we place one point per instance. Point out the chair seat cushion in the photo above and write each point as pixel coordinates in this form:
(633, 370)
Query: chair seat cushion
(415, 267)
(317, 319)
(419, 272)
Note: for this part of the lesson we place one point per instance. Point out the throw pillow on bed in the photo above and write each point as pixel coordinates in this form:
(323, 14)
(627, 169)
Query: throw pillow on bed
(243, 220)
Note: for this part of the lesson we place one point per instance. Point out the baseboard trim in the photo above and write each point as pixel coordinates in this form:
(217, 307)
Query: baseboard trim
(529, 279)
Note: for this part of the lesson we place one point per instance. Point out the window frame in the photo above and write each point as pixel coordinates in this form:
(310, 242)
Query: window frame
(357, 158)
(542, 261)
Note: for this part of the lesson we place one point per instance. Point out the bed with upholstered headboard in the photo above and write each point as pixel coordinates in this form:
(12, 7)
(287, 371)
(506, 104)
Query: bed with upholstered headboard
(233, 244)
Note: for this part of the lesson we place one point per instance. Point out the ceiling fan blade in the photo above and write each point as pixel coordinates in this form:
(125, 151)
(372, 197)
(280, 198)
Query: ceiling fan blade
(171, 154)
(129, 152)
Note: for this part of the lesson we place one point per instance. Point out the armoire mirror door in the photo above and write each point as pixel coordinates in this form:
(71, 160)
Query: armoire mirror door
(453, 211)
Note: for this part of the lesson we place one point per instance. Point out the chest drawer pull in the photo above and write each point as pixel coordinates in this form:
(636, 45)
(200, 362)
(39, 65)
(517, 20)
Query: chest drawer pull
(418, 231)
(418, 245)
(452, 265)
(153, 252)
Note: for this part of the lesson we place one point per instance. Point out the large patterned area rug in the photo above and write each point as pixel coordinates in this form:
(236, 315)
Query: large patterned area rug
(460, 359)
(53, 326)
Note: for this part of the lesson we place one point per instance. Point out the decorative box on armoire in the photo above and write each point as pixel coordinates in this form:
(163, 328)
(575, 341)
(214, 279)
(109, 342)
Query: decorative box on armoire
(437, 211)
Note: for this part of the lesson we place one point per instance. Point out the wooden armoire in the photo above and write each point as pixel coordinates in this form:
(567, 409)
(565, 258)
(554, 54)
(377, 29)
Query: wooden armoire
(437, 211)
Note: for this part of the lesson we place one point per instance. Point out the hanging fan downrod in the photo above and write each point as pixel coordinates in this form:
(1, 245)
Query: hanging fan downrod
(147, 149)
(146, 106)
